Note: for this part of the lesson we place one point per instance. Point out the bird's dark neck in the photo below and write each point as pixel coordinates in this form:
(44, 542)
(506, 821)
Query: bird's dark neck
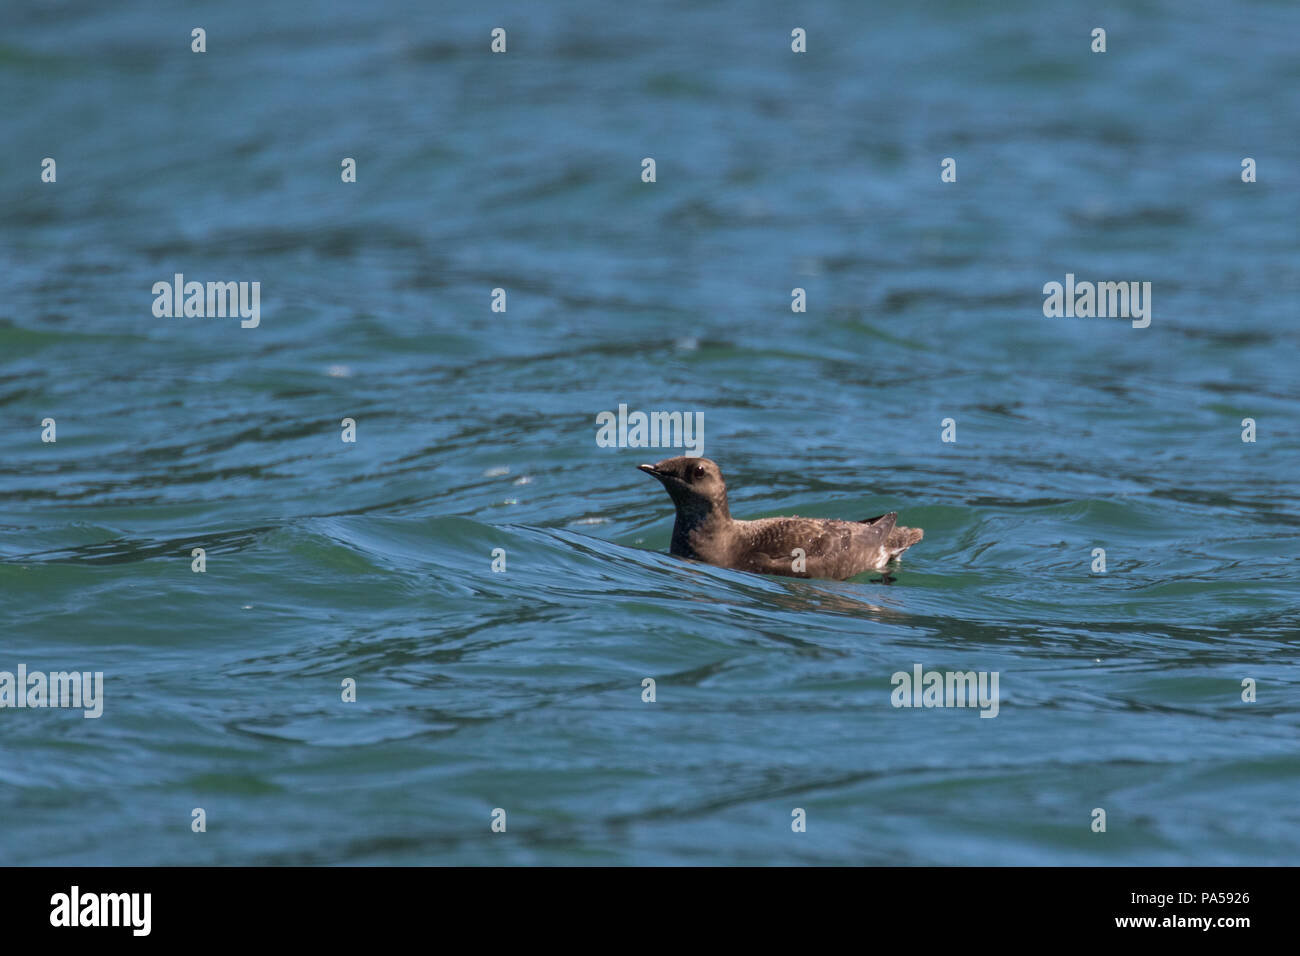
(694, 525)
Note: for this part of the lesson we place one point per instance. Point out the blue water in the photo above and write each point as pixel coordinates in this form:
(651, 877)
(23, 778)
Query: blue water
(476, 431)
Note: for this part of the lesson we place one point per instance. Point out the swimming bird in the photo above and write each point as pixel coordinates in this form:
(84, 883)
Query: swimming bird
(795, 547)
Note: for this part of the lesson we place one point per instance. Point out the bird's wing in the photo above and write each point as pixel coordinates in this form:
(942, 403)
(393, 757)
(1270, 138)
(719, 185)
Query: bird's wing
(769, 563)
(889, 519)
(771, 542)
(829, 548)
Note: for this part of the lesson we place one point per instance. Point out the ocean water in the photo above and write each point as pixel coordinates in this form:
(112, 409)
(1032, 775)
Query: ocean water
(475, 431)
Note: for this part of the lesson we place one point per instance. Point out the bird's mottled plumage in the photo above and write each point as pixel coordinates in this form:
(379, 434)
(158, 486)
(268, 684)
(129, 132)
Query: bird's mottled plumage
(705, 531)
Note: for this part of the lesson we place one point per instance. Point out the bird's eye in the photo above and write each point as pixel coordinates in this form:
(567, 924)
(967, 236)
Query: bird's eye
(698, 471)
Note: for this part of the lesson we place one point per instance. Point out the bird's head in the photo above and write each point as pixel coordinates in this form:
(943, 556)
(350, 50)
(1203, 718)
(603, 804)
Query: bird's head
(694, 484)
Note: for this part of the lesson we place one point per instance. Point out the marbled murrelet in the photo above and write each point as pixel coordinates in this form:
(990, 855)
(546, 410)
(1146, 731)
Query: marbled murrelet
(795, 547)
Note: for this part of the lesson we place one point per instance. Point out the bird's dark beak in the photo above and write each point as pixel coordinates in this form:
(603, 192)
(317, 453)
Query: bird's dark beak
(649, 470)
